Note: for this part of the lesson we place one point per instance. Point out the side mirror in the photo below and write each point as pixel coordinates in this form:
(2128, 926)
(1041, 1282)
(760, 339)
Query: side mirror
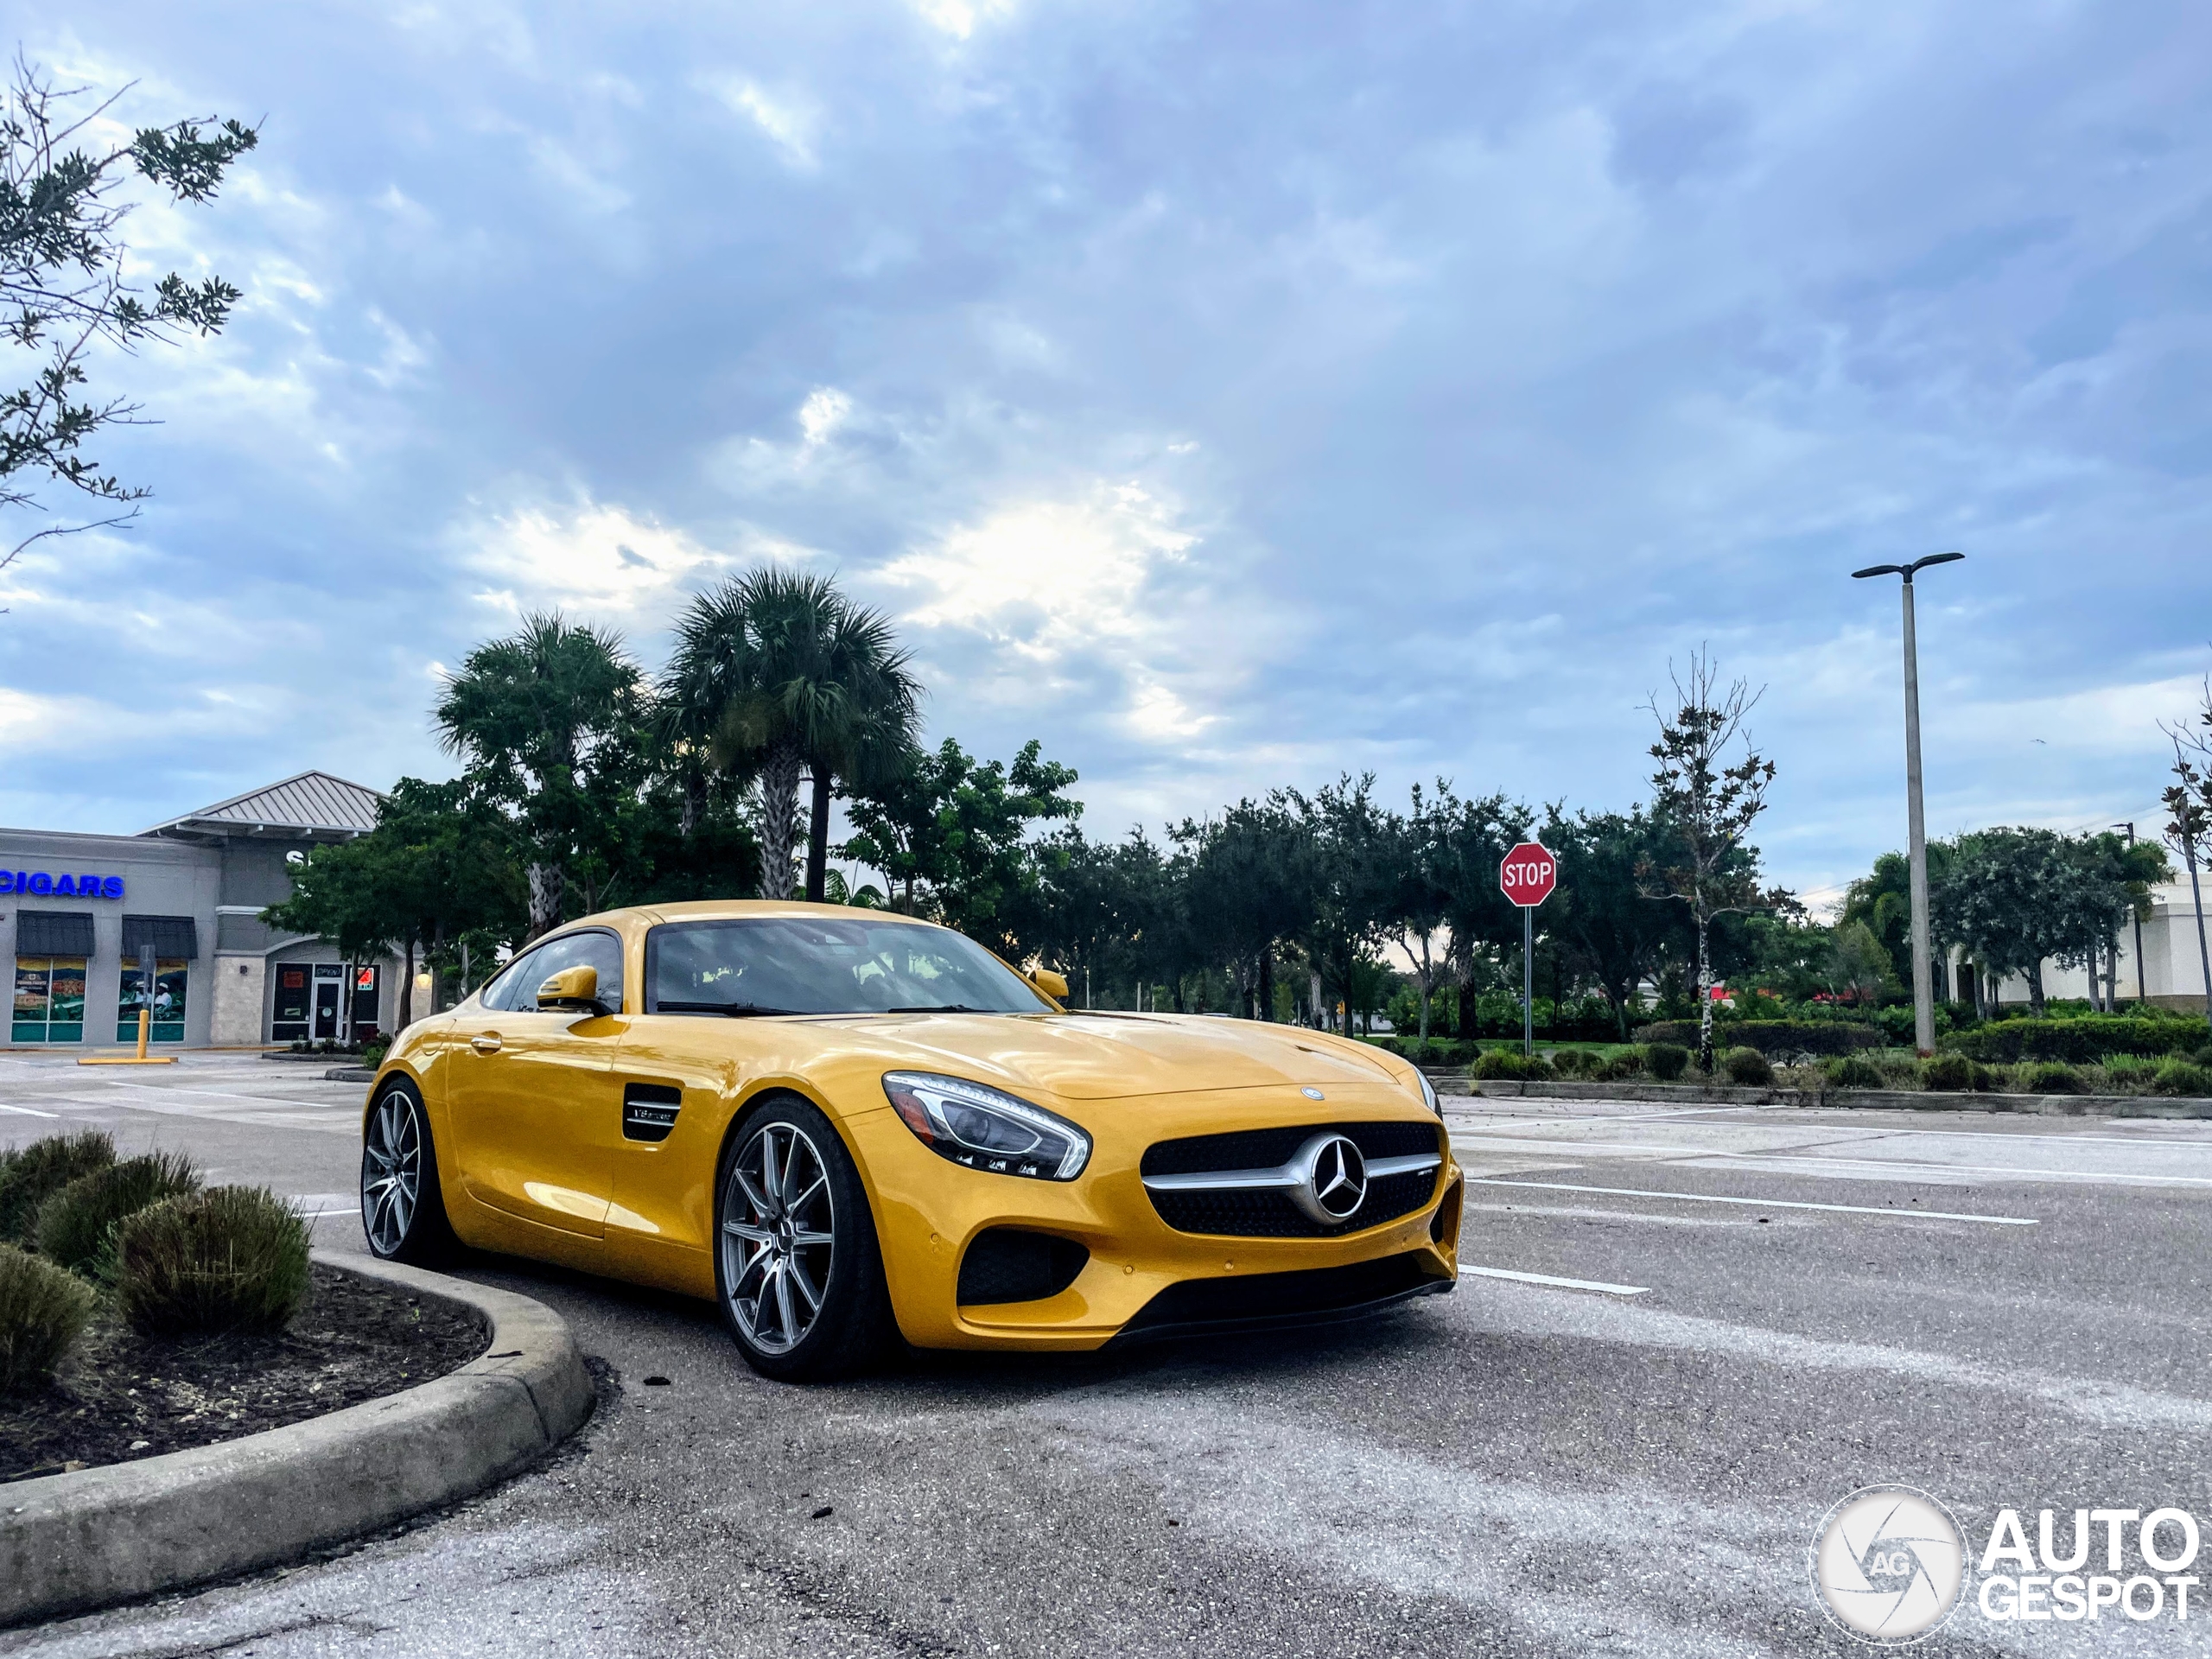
(1053, 985)
(572, 987)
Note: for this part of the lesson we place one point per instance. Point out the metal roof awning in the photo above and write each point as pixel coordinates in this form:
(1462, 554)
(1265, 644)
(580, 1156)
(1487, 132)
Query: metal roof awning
(173, 936)
(54, 933)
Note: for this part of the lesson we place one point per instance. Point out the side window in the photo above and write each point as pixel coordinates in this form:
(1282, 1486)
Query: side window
(602, 951)
(517, 987)
(500, 992)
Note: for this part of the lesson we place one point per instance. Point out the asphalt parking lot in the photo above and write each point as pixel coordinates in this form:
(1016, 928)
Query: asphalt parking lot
(1681, 1336)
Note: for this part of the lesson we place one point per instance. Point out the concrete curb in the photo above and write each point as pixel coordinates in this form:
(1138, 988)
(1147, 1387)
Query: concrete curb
(72, 1543)
(1865, 1099)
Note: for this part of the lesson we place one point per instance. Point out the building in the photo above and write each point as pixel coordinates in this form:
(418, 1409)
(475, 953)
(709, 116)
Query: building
(81, 913)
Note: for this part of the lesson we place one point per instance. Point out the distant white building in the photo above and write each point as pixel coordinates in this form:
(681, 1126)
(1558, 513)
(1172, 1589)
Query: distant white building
(2172, 969)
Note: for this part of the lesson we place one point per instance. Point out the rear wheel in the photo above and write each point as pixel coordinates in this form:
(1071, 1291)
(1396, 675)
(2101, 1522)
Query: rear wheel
(798, 1271)
(403, 1210)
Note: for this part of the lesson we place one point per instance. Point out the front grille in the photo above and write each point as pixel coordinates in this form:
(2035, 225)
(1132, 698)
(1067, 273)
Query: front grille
(1006, 1264)
(1265, 1149)
(1259, 1299)
(1230, 1212)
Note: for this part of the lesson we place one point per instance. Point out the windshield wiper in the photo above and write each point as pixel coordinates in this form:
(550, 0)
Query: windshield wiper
(943, 1008)
(735, 1010)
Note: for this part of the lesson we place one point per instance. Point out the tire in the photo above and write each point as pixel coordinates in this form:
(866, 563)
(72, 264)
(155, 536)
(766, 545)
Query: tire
(403, 1207)
(798, 1273)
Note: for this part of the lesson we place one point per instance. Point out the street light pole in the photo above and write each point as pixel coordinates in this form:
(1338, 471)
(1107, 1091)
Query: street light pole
(1923, 1001)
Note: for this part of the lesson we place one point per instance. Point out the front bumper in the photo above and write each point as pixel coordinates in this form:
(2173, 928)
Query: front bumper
(1143, 1279)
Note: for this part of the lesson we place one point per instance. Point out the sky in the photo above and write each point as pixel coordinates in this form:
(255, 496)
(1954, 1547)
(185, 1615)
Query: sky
(1227, 396)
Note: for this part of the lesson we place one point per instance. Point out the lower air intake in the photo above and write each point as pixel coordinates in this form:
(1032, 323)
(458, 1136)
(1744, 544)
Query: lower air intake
(1005, 1264)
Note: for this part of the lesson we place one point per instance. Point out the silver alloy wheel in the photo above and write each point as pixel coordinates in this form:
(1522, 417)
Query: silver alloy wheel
(778, 1226)
(392, 1173)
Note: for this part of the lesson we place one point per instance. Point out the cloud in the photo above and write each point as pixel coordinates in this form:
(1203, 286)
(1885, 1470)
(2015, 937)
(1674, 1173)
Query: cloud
(1070, 590)
(790, 120)
(594, 559)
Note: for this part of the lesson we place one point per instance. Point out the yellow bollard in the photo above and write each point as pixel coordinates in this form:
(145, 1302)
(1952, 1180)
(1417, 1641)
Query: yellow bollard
(145, 1033)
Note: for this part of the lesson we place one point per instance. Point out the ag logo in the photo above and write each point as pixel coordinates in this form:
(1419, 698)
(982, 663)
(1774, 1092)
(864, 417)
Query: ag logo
(1889, 1563)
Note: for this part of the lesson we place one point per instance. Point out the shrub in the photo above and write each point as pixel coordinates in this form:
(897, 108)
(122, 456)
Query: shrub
(1628, 1062)
(229, 1259)
(41, 1170)
(1947, 1072)
(43, 1312)
(1578, 1062)
(2051, 1078)
(76, 1226)
(1504, 1063)
(1666, 1061)
(2179, 1076)
(1850, 1072)
(1747, 1066)
(1775, 1038)
(2080, 1041)
(2131, 1070)
(1987, 1079)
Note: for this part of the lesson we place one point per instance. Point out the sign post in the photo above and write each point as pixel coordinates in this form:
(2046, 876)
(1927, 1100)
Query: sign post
(1527, 878)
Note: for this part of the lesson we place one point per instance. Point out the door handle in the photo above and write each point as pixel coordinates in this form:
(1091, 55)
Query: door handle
(486, 1044)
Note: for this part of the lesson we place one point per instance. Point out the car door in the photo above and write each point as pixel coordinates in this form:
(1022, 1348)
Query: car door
(535, 1111)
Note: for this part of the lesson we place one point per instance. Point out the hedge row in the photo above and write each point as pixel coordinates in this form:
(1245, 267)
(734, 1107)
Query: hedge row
(1771, 1038)
(2081, 1041)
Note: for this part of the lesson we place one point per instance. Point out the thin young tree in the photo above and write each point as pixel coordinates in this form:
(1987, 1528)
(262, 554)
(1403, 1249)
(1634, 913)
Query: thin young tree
(2188, 801)
(63, 297)
(1707, 805)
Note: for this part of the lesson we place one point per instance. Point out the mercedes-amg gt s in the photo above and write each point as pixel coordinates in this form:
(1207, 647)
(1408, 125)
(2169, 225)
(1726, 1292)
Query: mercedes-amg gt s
(838, 1122)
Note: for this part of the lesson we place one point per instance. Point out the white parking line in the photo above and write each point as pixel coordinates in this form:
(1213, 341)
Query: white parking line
(28, 1112)
(1557, 1284)
(1756, 1203)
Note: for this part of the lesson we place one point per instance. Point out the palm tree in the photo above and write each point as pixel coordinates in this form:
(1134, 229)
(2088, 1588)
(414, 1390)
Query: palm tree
(529, 712)
(786, 675)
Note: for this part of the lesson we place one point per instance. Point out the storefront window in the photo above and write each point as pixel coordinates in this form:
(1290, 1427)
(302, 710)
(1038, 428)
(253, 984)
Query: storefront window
(49, 1001)
(289, 1019)
(168, 1002)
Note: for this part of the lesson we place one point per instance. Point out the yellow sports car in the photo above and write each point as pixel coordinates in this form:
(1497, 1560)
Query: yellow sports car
(836, 1124)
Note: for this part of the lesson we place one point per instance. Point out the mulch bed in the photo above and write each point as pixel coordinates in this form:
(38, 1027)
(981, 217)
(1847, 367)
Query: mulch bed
(121, 1396)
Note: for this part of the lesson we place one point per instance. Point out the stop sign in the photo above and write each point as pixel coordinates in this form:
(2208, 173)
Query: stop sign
(1529, 875)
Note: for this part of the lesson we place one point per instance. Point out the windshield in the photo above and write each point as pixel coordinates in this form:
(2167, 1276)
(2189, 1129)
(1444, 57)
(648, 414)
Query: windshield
(802, 965)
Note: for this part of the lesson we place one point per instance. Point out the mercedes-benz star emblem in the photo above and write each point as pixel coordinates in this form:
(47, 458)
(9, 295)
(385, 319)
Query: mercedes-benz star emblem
(1335, 1180)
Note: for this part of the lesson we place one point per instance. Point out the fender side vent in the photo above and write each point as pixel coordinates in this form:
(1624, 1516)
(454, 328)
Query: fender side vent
(1005, 1264)
(649, 1110)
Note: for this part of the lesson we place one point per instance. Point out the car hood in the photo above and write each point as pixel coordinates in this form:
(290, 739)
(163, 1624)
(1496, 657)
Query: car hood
(1111, 1056)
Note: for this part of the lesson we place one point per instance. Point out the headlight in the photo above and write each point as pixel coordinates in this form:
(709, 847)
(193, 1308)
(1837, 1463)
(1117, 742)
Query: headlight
(984, 1129)
(1428, 1092)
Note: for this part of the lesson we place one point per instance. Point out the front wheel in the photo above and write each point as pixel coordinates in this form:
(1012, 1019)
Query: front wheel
(403, 1210)
(798, 1271)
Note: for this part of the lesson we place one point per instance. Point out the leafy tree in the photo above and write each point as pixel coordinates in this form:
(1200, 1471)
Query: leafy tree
(62, 288)
(954, 832)
(1708, 807)
(1860, 965)
(2016, 897)
(785, 675)
(1613, 930)
(1350, 840)
(550, 721)
(1248, 890)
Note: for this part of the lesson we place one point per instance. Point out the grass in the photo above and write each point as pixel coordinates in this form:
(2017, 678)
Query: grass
(32, 1174)
(43, 1309)
(232, 1258)
(76, 1226)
